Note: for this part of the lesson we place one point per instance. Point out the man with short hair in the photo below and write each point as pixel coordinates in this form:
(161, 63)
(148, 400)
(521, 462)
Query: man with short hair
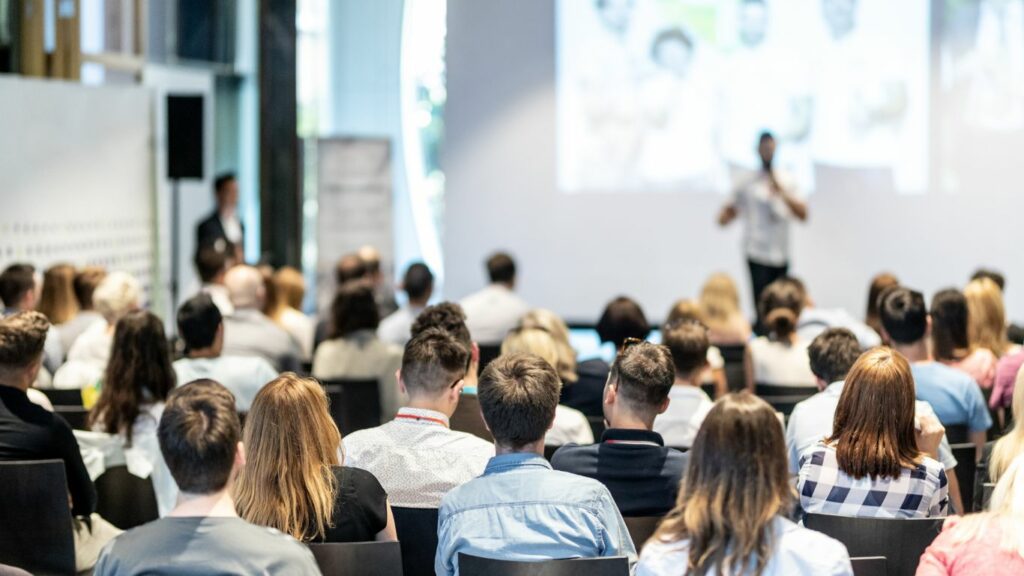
(631, 459)
(521, 509)
(832, 354)
(689, 404)
(954, 395)
(418, 284)
(201, 441)
(201, 328)
(248, 331)
(496, 309)
(212, 266)
(417, 457)
(448, 316)
(20, 288)
(223, 229)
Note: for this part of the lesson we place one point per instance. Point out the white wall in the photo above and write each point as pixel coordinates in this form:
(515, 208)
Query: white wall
(578, 251)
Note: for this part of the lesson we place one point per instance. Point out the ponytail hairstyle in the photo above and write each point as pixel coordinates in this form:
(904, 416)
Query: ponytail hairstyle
(780, 306)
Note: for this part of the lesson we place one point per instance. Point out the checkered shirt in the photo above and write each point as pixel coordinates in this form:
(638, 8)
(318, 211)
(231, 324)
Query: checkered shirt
(919, 492)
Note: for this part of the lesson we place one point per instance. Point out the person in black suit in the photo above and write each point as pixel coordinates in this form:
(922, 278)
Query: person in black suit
(223, 228)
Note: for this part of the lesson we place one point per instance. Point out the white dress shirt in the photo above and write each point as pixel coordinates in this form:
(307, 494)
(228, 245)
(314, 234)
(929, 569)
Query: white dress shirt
(780, 363)
(301, 328)
(814, 321)
(766, 218)
(687, 408)
(416, 457)
(395, 328)
(492, 312)
(244, 376)
(87, 359)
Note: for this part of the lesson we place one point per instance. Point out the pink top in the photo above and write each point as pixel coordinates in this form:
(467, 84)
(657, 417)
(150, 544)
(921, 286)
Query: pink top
(1006, 375)
(977, 557)
(980, 364)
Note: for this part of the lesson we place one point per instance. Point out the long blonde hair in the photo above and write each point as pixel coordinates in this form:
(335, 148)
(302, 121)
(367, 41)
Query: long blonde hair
(1012, 444)
(58, 300)
(1006, 512)
(291, 446)
(559, 331)
(534, 341)
(289, 288)
(986, 316)
(735, 487)
(719, 301)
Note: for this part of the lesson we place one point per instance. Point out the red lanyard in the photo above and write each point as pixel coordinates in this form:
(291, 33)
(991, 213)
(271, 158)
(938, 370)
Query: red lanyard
(427, 418)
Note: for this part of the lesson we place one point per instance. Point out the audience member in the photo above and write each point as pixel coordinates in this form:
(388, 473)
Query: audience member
(223, 228)
(118, 294)
(293, 479)
(521, 509)
(714, 372)
(383, 294)
(1007, 369)
(449, 317)
(780, 358)
(689, 404)
(354, 351)
(289, 291)
(832, 355)
(570, 426)
(1011, 445)
(955, 396)
(553, 324)
(732, 513)
(248, 331)
(875, 464)
(200, 438)
(879, 284)
(987, 316)
(720, 311)
(212, 265)
(950, 343)
(416, 456)
(631, 460)
(84, 284)
(57, 301)
(814, 320)
(201, 329)
(496, 309)
(418, 284)
(983, 544)
(19, 292)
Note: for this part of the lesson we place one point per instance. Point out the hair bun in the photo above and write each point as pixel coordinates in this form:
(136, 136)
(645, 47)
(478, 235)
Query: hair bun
(782, 321)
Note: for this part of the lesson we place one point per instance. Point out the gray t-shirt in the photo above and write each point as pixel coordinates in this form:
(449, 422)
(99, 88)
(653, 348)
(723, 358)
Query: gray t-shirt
(198, 545)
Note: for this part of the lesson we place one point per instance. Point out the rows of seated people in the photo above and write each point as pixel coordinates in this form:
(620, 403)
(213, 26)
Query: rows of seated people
(731, 478)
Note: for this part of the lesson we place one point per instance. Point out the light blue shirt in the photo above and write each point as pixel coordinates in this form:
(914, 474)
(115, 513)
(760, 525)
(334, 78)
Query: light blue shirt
(521, 509)
(954, 395)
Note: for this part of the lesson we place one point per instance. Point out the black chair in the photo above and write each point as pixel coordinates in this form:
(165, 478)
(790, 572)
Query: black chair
(709, 389)
(36, 537)
(986, 494)
(125, 500)
(957, 434)
(900, 541)
(735, 375)
(76, 416)
(769, 390)
(476, 566)
(641, 528)
(355, 404)
(966, 468)
(869, 566)
(62, 397)
(467, 418)
(488, 352)
(417, 535)
(549, 451)
(364, 558)
(597, 426)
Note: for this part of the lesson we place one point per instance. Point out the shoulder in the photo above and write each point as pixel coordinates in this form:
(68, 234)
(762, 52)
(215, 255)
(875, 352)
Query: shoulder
(572, 456)
(795, 540)
(659, 557)
(356, 477)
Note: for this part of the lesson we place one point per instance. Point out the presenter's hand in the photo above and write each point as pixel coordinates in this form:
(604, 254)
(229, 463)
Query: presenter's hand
(727, 215)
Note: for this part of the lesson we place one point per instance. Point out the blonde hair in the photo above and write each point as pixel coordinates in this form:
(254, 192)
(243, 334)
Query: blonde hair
(1006, 513)
(719, 301)
(291, 446)
(1012, 444)
(556, 327)
(58, 300)
(684, 309)
(118, 294)
(986, 316)
(289, 290)
(531, 341)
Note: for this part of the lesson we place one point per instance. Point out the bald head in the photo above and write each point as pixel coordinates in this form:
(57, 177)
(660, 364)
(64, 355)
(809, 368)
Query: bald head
(245, 287)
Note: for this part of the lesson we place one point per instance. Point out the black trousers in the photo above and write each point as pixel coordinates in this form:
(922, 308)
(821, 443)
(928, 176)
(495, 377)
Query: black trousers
(761, 275)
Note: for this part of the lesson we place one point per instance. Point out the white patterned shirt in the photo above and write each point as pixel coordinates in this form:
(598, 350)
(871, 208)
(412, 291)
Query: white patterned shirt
(417, 458)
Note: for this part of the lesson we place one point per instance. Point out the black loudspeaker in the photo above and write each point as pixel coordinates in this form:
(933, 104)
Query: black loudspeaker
(184, 137)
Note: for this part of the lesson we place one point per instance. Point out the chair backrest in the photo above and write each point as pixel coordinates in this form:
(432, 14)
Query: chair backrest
(900, 541)
(869, 566)
(641, 528)
(785, 403)
(966, 468)
(364, 558)
(709, 389)
(417, 534)
(125, 500)
(957, 434)
(355, 403)
(476, 566)
(597, 426)
(76, 416)
(63, 397)
(549, 451)
(769, 390)
(467, 418)
(36, 537)
(488, 352)
(735, 375)
(986, 494)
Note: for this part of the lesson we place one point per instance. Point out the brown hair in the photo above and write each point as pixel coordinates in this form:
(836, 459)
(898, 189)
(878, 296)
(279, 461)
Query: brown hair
(735, 486)
(86, 281)
(58, 301)
(291, 446)
(518, 397)
(353, 309)
(285, 289)
(950, 320)
(643, 374)
(879, 284)
(432, 361)
(199, 434)
(780, 306)
(873, 430)
(22, 337)
(688, 343)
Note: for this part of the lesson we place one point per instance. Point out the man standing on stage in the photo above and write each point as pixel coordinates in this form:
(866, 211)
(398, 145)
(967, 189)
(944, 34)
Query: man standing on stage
(768, 201)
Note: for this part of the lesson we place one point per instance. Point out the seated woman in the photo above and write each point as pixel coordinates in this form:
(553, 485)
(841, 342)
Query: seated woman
(1010, 446)
(136, 383)
(780, 358)
(982, 544)
(987, 317)
(731, 515)
(57, 300)
(293, 479)
(950, 343)
(875, 464)
(720, 311)
(289, 289)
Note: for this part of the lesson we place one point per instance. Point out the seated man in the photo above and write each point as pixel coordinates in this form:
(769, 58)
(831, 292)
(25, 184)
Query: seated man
(832, 354)
(448, 316)
(19, 292)
(418, 284)
(200, 439)
(248, 331)
(416, 457)
(202, 330)
(521, 509)
(813, 321)
(689, 404)
(632, 460)
(955, 396)
(495, 309)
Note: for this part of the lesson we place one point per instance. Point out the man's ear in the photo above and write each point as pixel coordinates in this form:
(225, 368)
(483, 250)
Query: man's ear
(475, 354)
(611, 395)
(401, 384)
(821, 383)
(664, 405)
(928, 326)
(240, 455)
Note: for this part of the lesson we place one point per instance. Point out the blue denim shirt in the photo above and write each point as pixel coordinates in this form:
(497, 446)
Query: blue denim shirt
(521, 509)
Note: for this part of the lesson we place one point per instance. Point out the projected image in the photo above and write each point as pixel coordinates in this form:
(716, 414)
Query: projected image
(671, 95)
